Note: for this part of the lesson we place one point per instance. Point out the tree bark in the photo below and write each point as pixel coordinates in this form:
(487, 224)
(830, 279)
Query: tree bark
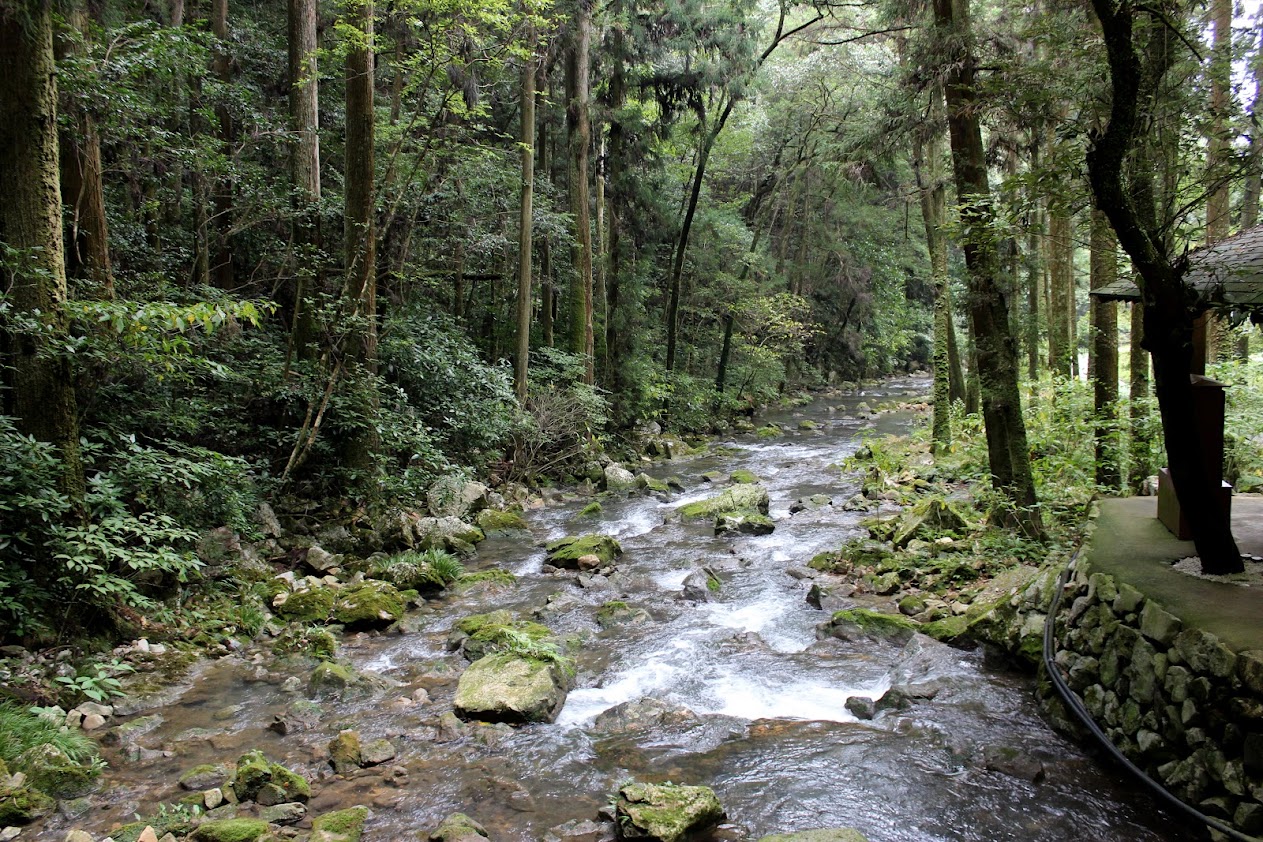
(87, 246)
(1218, 155)
(928, 155)
(1104, 349)
(1007, 452)
(547, 290)
(221, 265)
(1140, 466)
(615, 320)
(360, 292)
(1169, 308)
(1061, 283)
(41, 393)
(304, 113)
(579, 133)
(525, 224)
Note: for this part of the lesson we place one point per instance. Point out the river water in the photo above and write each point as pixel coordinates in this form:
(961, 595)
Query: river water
(770, 733)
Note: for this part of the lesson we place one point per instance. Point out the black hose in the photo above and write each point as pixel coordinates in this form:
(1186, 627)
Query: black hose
(1076, 706)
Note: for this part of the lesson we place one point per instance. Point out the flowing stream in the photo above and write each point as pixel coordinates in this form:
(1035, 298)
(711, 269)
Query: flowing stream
(771, 734)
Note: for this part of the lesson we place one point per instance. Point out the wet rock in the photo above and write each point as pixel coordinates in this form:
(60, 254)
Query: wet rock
(308, 605)
(321, 560)
(287, 813)
(827, 834)
(495, 520)
(449, 728)
(617, 478)
(455, 497)
(340, 826)
(739, 498)
(643, 715)
(377, 752)
(863, 623)
(911, 605)
(830, 597)
(458, 827)
(444, 533)
(561, 602)
(128, 734)
(482, 634)
(371, 604)
(619, 613)
(51, 771)
(701, 585)
(330, 679)
(810, 504)
(255, 771)
(1013, 762)
(861, 707)
(203, 777)
(230, 830)
(77, 836)
(566, 552)
(345, 752)
(743, 523)
(302, 715)
(584, 830)
(506, 688)
(648, 483)
(666, 812)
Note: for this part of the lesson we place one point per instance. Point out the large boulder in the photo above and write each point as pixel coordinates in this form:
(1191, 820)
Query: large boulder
(310, 605)
(20, 805)
(456, 497)
(856, 624)
(666, 812)
(618, 478)
(479, 635)
(745, 497)
(230, 830)
(50, 770)
(371, 604)
(824, 834)
(258, 779)
(643, 715)
(743, 523)
(446, 533)
(566, 552)
(506, 688)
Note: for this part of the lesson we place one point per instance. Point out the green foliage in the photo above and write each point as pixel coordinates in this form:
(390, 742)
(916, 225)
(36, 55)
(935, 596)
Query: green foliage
(419, 570)
(96, 681)
(23, 728)
(562, 421)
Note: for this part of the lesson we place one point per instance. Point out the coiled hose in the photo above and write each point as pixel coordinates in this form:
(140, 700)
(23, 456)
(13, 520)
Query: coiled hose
(1081, 713)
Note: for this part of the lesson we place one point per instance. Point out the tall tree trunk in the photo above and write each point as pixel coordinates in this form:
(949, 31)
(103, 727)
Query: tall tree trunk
(1168, 319)
(615, 319)
(928, 155)
(41, 393)
(525, 223)
(304, 114)
(1104, 350)
(360, 292)
(1254, 159)
(87, 246)
(547, 291)
(1218, 154)
(600, 294)
(1061, 283)
(1007, 451)
(221, 264)
(579, 132)
(957, 390)
(1034, 275)
(1140, 466)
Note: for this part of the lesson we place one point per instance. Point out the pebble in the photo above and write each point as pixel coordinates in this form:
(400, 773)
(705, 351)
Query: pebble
(212, 798)
(92, 722)
(147, 835)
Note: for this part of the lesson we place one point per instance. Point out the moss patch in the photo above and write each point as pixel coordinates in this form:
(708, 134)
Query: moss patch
(494, 520)
(739, 498)
(566, 552)
(230, 830)
(340, 825)
(371, 604)
(590, 510)
(744, 477)
(311, 606)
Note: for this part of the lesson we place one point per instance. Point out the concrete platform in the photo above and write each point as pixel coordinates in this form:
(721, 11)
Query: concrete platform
(1134, 547)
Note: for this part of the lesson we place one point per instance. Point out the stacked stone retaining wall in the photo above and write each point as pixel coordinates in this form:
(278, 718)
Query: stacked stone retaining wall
(1177, 701)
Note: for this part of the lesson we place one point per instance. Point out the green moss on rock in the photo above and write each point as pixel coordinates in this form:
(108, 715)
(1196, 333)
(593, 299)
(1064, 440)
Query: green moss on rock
(340, 825)
(566, 552)
(506, 688)
(590, 510)
(872, 623)
(370, 604)
(314, 641)
(743, 477)
(255, 771)
(23, 805)
(666, 812)
(495, 520)
(739, 498)
(51, 771)
(310, 606)
(230, 830)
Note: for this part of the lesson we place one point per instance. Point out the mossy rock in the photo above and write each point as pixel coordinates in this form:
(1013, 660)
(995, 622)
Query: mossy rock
(744, 523)
(203, 777)
(481, 634)
(458, 827)
(345, 752)
(495, 520)
(648, 483)
(506, 688)
(666, 812)
(566, 552)
(947, 629)
(254, 772)
(309, 606)
(928, 520)
(739, 498)
(591, 510)
(770, 431)
(51, 771)
(334, 679)
(162, 824)
(313, 641)
(808, 424)
(864, 622)
(743, 477)
(371, 604)
(911, 605)
(340, 825)
(619, 613)
(23, 805)
(230, 830)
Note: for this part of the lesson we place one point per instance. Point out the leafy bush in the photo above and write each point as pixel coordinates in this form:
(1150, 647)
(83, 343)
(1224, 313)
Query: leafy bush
(433, 568)
(562, 420)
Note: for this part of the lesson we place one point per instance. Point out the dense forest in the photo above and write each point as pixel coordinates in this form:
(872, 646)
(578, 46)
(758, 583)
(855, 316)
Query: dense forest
(323, 255)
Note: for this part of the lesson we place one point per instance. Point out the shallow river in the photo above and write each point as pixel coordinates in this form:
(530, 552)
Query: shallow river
(773, 737)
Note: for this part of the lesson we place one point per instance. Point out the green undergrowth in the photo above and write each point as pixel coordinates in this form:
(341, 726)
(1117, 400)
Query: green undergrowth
(22, 728)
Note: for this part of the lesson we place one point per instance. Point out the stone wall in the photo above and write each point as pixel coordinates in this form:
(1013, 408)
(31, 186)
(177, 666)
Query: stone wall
(1178, 702)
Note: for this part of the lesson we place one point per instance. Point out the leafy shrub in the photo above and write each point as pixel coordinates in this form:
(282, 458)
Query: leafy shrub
(562, 420)
(413, 570)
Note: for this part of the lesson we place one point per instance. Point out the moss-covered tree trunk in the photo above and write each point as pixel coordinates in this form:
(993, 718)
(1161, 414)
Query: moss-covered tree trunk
(304, 114)
(579, 132)
(1061, 283)
(525, 224)
(40, 381)
(1103, 364)
(1007, 452)
(928, 156)
(359, 295)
